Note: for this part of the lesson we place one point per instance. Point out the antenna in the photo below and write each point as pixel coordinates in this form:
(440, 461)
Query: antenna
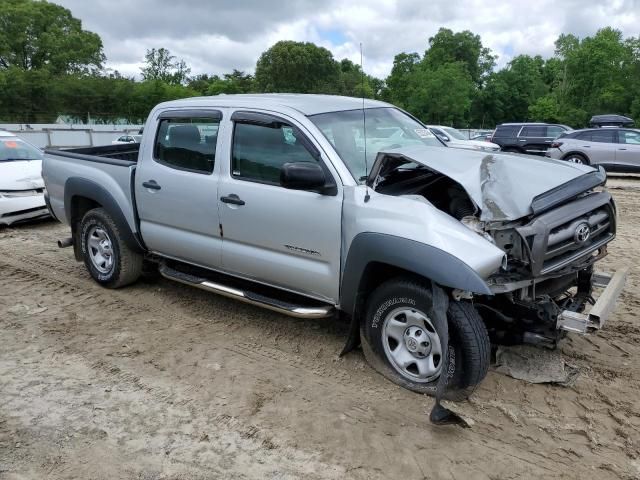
(364, 131)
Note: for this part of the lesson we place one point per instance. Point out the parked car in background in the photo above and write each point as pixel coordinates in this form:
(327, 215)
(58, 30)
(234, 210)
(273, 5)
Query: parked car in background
(616, 149)
(21, 184)
(533, 138)
(483, 136)
(457, 139)
(121, 140)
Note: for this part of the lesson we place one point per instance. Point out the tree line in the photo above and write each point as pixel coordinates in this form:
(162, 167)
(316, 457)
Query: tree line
(51, 66)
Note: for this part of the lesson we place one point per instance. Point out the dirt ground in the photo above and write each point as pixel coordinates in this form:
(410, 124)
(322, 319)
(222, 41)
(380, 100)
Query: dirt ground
(161, 381)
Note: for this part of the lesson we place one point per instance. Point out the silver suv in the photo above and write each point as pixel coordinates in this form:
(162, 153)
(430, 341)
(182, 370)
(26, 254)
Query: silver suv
(616, 149)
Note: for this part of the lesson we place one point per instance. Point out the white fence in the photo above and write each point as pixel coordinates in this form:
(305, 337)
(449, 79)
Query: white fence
(63, 136)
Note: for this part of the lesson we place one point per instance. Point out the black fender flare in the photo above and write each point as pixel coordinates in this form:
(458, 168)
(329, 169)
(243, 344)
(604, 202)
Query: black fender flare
(81, 187)
(418, 258)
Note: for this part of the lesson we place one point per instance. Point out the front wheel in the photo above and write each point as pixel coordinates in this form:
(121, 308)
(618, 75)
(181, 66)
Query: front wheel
(108, 258)
(401, 341)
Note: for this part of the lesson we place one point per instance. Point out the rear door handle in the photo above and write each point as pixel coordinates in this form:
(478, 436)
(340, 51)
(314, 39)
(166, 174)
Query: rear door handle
(232, 199)
(151, 184)
(622, 149)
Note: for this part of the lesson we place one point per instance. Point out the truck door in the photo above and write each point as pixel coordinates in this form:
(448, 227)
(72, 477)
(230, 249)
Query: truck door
(287, 238)
(176, 187)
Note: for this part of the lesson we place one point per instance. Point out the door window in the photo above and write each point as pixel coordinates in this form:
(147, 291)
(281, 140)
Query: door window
(259, 151)
(553, 131)
(187, 143)
(603, 136)
(630, 137)
(533, 131)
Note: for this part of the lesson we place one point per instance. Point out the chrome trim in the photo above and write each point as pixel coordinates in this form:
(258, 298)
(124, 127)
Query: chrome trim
(229, 292)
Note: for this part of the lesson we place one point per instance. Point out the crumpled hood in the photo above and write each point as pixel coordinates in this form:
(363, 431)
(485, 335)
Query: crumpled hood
(502, 185)
(21, 175)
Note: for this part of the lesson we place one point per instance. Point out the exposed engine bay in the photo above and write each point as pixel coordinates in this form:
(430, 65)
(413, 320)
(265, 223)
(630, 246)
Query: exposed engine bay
(550, 252)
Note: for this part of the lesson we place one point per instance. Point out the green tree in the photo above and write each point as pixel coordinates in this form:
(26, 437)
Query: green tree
(509, 92)
(404, 67)
(161, 65)
(234, 82)
(441, 95)
(447, 47)
(353, 83)
(35, 35)
(299, 67)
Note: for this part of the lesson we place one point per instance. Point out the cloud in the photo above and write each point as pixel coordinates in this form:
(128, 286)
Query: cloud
(216, 36)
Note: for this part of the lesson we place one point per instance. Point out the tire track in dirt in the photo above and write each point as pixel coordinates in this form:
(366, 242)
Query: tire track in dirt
(258, 353)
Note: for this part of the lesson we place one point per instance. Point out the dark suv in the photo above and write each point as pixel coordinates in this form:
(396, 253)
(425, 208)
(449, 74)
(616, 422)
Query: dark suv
(533, 138)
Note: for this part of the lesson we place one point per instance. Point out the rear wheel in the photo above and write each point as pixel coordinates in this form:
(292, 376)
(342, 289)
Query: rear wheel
(401, 341)
(108, 258)
(577, 158)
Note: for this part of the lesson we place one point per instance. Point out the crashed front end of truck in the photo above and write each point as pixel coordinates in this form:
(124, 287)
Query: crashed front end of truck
(552, 220)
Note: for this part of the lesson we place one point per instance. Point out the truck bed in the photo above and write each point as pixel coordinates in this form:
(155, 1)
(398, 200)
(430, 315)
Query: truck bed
(109, 169)
(123, 155)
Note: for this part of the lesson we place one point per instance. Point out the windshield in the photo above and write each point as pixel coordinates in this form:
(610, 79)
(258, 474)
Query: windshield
(12, 149)
(387, 128)
(452, 132)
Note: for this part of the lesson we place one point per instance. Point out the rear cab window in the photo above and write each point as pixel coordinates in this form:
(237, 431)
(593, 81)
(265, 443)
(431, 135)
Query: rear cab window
(187, 141)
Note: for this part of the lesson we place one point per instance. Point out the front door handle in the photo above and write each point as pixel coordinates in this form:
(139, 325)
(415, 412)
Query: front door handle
(151, 184)
(622, 149)
(232, 199)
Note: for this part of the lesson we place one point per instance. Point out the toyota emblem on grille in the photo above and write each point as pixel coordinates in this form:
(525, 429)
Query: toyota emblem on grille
(582, 233)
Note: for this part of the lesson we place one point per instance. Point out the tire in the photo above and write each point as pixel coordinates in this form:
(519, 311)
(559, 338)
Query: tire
(108, 258)
(511, 150)
(469, 346)
(576, 158)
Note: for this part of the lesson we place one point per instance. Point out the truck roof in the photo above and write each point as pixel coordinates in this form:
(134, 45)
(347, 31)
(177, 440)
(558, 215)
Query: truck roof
(307, 104)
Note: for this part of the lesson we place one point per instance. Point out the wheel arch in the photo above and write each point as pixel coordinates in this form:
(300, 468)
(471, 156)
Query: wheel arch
(375, 257)
(82, 195)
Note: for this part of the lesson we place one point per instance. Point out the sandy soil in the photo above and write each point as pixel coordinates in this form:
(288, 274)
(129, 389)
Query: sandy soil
(160, 381)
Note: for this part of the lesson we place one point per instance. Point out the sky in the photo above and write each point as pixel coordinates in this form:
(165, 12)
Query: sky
(216, 36)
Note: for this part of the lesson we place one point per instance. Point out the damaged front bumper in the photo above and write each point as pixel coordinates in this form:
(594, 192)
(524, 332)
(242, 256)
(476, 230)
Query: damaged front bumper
(600, 311)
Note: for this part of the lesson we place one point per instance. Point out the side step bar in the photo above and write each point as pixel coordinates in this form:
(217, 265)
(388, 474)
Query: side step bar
(246, 296)
(599, 313)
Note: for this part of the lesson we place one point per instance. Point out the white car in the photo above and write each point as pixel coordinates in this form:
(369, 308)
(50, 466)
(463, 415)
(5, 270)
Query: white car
(455, 138)
(123, 139)
(21, 184)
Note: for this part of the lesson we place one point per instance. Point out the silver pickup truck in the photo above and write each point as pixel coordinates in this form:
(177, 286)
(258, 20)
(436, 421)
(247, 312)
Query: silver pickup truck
(315, 206)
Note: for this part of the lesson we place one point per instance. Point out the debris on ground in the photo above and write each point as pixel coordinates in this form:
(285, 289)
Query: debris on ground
(535, 365)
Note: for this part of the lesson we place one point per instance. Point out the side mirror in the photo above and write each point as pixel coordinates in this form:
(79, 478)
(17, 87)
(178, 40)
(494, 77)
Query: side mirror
(302, 176)
(444, 137)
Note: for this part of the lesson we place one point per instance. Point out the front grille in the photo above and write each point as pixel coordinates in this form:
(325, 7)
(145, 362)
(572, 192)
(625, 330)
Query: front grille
(569, 234)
